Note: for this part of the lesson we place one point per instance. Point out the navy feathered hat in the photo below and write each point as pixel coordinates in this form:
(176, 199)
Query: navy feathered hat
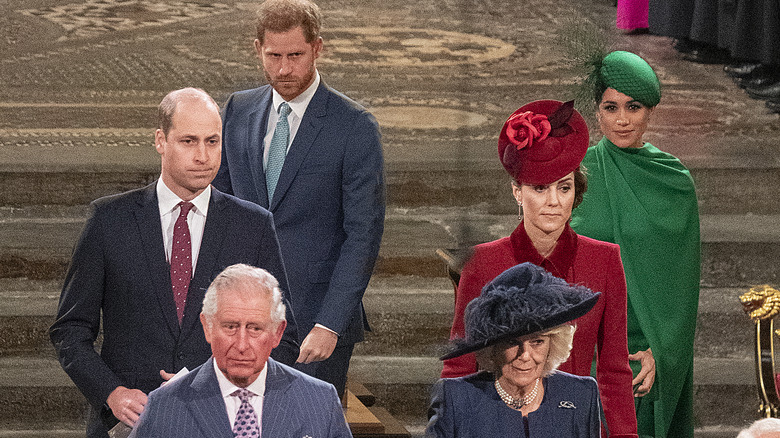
(522, 300)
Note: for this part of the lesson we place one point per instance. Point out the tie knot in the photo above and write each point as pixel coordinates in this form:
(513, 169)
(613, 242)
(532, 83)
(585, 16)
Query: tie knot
(243, 394)
(284, 110)
(186, 206)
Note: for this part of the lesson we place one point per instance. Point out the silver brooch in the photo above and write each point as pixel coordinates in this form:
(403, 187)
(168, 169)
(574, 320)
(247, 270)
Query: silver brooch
(567, 405)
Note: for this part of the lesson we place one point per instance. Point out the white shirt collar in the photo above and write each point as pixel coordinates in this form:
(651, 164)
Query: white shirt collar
(167, 200)
(299, 104)
(227, 388)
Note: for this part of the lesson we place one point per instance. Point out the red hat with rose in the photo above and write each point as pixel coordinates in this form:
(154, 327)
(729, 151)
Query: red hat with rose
(543, 141)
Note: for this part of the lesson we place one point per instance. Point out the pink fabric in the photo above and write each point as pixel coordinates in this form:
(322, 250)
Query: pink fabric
(632, 14)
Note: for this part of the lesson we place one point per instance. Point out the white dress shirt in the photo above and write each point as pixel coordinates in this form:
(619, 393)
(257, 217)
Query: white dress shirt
(298, 109)
(168, 203)
(232, 402)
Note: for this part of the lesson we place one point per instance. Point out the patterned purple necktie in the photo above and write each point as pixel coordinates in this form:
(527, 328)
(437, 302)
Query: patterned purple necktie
(181, 259)
(246, 419)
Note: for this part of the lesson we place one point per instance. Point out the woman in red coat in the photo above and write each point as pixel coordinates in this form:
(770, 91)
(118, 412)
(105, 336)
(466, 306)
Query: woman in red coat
(541, 146)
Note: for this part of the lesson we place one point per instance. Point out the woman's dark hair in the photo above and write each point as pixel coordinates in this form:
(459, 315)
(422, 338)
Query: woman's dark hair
(580, 185)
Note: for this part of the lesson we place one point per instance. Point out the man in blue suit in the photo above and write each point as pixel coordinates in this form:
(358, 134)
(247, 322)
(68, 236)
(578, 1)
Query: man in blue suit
(313, 157)
(144, 261)
(243, 318)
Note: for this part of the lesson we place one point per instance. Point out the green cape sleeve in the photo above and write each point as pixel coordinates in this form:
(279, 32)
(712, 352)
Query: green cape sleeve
(644, 200)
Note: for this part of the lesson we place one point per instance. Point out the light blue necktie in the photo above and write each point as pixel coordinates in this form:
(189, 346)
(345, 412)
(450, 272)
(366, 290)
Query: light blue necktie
(278, 150)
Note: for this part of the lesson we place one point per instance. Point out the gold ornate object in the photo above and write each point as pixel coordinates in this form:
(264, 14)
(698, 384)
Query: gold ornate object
(761, 303)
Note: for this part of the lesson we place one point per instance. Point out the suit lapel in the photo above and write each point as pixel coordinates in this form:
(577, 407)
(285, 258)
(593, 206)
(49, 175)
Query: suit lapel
(275, 403)
(310, 127)
(208, 256)
(147, 217)
(257, 128)
(207, 405)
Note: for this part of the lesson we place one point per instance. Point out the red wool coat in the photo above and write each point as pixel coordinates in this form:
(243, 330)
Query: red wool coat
(578, 260)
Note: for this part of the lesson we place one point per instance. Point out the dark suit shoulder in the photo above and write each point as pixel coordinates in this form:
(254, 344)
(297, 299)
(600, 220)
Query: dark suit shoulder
(238, 204)
(124, 200)
(249, 97)
(342, 101)
(297, 378)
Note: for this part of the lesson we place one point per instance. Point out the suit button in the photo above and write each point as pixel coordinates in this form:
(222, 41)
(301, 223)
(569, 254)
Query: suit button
(181, 356)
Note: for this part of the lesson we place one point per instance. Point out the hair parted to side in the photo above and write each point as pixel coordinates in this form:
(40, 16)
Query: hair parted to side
(259, 281)
(561, 337)
(283, 15)
(167, 107)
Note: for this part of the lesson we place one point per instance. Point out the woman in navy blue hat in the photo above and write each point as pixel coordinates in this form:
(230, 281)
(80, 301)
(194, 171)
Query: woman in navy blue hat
(541, 146)
(521, 332)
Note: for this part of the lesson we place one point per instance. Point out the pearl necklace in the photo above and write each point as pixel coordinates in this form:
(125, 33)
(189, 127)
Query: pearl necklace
(517, 403)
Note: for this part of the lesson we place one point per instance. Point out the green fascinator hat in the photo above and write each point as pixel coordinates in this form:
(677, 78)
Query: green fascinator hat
(631, 75)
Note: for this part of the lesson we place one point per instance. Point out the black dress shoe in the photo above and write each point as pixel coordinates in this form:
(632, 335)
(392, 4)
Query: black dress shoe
(684, 45)
(757, 81)
(773, 105)
(766, 92)
(708, 55)
(742, 70)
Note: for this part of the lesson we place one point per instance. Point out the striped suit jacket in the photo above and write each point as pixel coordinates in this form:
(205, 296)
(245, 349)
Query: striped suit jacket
(295, 406)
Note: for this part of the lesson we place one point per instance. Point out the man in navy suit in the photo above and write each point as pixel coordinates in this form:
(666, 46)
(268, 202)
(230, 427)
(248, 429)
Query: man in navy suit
(120, 268)
(243, 318)
(313, 157)
(241, 391)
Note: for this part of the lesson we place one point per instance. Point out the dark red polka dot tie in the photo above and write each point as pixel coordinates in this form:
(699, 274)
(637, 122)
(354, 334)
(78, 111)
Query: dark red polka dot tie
(181, 259)
(246, 419)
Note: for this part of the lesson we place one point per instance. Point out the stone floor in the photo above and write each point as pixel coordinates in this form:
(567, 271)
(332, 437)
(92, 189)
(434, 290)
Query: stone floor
(81, 80)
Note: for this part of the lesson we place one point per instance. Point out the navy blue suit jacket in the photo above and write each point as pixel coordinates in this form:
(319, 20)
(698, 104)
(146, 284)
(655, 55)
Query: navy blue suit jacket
(294, 405)
(470, 407)
(328, 206)
(119, 268)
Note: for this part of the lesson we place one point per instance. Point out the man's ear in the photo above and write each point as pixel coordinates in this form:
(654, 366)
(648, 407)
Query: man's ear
(259, 50)
(159, 140)
(279, 332)
(206, 327)
(317, 47)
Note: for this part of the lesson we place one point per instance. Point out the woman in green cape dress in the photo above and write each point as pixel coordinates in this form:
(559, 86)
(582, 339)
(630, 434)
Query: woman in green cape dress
(644, 200)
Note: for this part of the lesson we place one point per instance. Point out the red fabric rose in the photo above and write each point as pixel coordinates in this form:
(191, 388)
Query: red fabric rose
(526, 128)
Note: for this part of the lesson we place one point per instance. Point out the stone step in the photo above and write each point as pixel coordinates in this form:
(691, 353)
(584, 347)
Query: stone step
(738, 250)
(410, 316)
(720, 190)
(36, 390)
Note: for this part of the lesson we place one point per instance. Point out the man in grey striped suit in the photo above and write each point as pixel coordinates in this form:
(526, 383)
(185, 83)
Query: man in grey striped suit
(240, 389)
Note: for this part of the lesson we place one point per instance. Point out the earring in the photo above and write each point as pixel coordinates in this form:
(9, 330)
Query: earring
(520, 213)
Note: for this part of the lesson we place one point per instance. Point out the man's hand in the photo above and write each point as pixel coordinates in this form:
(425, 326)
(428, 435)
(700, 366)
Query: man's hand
(646, 377)
(318, 345)
(166, 376)
(126, 404)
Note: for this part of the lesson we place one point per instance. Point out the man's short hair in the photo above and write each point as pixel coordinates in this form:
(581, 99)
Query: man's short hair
(167, 107)
(259, 281)
(284, 15)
